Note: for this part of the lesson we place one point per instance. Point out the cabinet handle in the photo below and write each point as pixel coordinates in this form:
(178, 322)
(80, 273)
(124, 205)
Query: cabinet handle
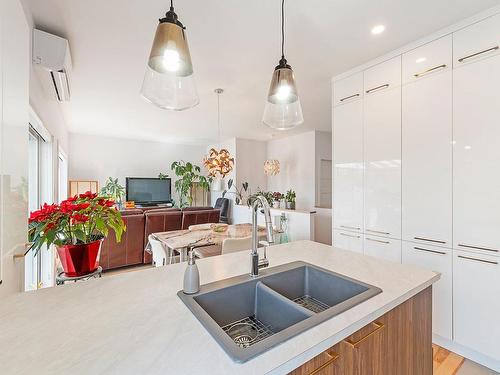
(355, 344)
(333, 358)
(384, 242)
(377, 88)
(478, 248)
(429, 240)
(478, 53)
(478, 260)
(349, 97)
(430, 251)
(377, 231)
(348, 227)
(425, 72)
(348, 235)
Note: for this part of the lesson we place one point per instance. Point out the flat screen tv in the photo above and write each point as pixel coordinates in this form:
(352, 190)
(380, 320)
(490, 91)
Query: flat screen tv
(148, 191)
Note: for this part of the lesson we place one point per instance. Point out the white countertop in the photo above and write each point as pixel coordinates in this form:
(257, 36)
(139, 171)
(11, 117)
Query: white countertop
(133, 323)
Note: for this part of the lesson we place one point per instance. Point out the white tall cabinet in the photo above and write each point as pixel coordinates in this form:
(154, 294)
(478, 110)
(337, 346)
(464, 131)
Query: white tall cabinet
(14, 69)
(382, 149)
(430, 180)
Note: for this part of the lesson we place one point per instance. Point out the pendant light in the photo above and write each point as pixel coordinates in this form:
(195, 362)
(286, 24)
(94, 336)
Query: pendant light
(218, 162)
(283, 110)
(169, 81)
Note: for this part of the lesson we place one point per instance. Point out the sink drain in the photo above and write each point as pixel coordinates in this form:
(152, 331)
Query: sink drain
(247, 331)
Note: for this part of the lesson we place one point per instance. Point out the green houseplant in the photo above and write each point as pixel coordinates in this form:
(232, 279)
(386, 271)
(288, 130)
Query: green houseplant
(77, 227)
(238, 193)
(113, 190)
(266, 194)
(188, 174)
(290, 199)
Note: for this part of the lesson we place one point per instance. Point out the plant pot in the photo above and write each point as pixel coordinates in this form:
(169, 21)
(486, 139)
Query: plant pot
(277, 204)
(290, 205)
(80, 260)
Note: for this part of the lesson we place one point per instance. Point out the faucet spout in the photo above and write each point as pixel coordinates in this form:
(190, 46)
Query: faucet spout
(260, 201)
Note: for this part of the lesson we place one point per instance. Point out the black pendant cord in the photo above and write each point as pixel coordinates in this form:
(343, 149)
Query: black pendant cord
(283, 29)
(171, 4)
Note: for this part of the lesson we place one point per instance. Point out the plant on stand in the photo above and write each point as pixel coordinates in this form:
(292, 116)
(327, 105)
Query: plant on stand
(238, 193)
(188, 174)
(277, 199)
(77, 227)
(113, 190)
(290, 199)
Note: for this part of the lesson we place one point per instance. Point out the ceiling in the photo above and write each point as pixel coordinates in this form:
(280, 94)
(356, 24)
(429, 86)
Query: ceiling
(234, 45)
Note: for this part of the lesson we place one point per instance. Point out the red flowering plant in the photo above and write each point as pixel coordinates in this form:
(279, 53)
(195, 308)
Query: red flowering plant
(82, 219)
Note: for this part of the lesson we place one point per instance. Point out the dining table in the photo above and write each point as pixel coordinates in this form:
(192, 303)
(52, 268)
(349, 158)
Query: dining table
(182, 241)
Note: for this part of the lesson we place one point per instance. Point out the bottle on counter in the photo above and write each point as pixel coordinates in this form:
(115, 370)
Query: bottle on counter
(191, 276)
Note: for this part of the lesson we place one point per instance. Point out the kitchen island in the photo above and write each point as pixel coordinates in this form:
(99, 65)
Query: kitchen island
(134, 322)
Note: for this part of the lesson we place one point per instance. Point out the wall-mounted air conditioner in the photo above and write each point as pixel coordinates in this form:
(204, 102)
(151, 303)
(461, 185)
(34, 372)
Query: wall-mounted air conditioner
(51, 54)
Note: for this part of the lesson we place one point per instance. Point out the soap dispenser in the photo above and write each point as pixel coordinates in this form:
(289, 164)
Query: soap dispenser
(191, 276)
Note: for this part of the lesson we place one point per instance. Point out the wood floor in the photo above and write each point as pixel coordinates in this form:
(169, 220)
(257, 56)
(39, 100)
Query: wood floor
(445, 362)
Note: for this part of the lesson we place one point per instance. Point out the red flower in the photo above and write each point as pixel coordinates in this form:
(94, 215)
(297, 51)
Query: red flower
(77, 218)
(43, 213)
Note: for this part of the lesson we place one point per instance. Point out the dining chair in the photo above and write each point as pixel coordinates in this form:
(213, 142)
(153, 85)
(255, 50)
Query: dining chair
(232, 245)
(161, 255)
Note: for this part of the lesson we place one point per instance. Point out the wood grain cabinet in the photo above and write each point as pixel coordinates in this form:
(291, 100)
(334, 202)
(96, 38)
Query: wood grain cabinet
(399, 342)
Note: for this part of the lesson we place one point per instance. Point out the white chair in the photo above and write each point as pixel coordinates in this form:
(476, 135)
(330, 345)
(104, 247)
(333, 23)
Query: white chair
(161, 255)
(232, 245)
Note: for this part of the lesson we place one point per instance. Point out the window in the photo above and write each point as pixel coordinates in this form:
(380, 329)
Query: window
(39, 269)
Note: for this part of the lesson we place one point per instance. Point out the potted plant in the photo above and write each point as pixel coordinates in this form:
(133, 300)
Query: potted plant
(77, 227)
(290, 200)
(277, 199)
(113, 190)
(238, 193)
(266, 194)
(188, 175)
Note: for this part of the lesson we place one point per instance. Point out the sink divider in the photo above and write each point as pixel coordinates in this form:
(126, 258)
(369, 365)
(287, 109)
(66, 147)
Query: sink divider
(270, 302)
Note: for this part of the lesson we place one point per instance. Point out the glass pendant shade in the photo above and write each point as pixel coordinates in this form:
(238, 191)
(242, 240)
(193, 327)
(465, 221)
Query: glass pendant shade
(283, 109)
(169, 80)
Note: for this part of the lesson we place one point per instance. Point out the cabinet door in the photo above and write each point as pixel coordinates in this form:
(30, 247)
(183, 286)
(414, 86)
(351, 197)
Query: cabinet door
(476, 153)
(428, 60)
(348, 89)
(386, 75)
(427, 159)
(348, 241)
(348, 166)
(330, 362)
(384, 248)
(440, 260)
(382, 149)
(478, 41)
(476, 287)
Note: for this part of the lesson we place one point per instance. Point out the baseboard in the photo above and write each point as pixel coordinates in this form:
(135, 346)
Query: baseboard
(466, 352)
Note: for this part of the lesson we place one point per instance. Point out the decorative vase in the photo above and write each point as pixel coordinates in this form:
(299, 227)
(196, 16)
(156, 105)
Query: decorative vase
(290, 205)
(81, 259)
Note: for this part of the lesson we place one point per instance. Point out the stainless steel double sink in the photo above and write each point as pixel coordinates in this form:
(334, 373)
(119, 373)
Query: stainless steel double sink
(248, 316)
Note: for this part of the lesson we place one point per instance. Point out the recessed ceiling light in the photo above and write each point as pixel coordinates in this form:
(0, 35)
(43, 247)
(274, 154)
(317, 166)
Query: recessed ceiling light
(420, 60)
(379, 29)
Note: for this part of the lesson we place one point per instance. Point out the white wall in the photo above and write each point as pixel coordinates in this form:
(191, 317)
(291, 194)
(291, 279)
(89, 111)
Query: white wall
(251, 156)
(97, 158)
(298, 163)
